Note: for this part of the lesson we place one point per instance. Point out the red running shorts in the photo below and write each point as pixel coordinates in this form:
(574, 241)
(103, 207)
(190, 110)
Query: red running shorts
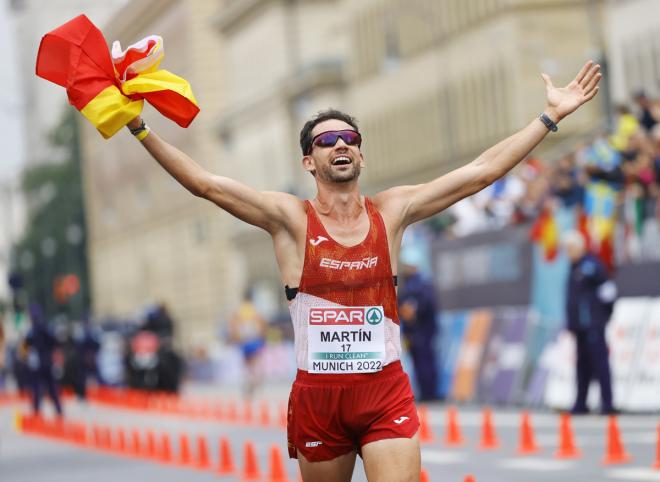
(331, 415)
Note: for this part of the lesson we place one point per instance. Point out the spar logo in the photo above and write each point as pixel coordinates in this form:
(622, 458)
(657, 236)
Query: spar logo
(374, 315)
(346, 316)
(336, 316)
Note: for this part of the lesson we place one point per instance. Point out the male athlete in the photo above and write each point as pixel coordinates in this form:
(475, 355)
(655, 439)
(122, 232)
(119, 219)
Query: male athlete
(337, 256)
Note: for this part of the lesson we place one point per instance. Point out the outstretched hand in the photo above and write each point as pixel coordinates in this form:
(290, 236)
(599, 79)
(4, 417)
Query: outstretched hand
(564, 100)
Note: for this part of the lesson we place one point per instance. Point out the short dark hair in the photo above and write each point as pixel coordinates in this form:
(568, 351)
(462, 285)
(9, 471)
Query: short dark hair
(324, 115)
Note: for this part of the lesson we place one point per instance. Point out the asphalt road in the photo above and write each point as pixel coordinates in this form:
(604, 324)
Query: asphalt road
(30, 458)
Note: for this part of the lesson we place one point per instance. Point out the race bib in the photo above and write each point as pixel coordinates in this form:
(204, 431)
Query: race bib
(346, 339)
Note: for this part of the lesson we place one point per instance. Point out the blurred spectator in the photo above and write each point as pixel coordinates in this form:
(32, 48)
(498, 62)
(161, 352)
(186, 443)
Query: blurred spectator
(170, 367)
(647, 111)
(500, 199)
(590, 299)
(39, 346)
(159, 321)
(247, 329)
(655, 148)
(468, 218)
(598, 180)
(532, 172)
(2, 351)
(86, 347)
(566, 182)
(626, 126)
(417, 310)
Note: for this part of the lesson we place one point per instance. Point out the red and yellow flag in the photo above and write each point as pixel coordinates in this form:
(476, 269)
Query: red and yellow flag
(546, 233)
(109, 90)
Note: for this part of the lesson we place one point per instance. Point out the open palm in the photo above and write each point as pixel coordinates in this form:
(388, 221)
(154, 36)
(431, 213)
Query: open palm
(564, 100)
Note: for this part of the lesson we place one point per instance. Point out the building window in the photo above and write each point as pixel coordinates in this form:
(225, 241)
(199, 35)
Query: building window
(392, 56)
(227, 139)
(200, 231)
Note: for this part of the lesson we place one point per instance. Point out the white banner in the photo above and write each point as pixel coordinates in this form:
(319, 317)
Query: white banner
(644, 392)
(624, 339)
(633, 336)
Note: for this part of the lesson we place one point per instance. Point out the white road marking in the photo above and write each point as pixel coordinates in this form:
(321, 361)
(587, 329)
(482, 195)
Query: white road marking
(537, 464)
(582, 440)
(634, 474)
(470, 418)
(442, 457)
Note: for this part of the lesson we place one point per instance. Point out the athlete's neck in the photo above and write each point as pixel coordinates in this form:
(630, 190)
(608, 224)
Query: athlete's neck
(342, 205)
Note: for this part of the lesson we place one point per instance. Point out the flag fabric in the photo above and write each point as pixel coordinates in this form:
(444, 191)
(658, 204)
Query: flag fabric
(545, 232)
(600, 210)
(109, 89)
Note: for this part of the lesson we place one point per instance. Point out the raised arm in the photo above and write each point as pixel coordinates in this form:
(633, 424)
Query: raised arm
(415, 203)
(266, 210)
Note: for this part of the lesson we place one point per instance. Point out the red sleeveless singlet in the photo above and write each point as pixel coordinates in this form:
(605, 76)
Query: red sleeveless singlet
(337, 280)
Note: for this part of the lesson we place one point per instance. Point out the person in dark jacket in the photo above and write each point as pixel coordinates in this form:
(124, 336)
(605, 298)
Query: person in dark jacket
(590, 299)
(40, 344)
(417, 311)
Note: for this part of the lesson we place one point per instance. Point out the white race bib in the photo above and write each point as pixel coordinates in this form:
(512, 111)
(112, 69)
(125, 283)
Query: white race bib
(346, 339)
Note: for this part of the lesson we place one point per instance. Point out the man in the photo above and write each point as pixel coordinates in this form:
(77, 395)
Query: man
(337, 257)
(247, 329)
(589, 302)
(417, 312)
(647, 116)
(40, 343)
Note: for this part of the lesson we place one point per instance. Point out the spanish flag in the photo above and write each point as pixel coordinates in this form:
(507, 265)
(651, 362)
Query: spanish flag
(109, 90)
(546, 233)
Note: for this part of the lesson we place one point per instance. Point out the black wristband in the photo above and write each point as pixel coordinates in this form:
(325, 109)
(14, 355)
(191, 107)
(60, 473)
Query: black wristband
(139, 128)
(548, 122)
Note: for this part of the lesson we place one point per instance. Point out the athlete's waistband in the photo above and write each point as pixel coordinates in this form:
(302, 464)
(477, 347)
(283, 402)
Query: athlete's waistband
(388, 371)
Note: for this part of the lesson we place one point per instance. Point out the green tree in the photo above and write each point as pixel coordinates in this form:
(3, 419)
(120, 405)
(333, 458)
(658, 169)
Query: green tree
(53, 245)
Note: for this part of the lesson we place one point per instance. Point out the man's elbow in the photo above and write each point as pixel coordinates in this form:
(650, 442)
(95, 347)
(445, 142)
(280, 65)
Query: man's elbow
(203, 188)
(485, 176)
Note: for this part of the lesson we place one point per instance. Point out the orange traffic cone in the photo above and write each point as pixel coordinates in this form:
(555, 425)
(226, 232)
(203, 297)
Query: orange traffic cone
(226, 464)
(424, 476)
(121, 440)
(203, 460)
(206, 410)
(283, 416)
(488, 436)
(96, 434)
(656, 465)
(150, 448)
(264, 414)
(165, 449)
(425, 431)
(453, 437)
(251, 469)
(184, 450)
(58, 428)
(276, 472)
(82, 437)
(247, 412)
(136, 446)
(527, 442)
(615, 452)
(217, 411)
(567, 448)
(232, 415)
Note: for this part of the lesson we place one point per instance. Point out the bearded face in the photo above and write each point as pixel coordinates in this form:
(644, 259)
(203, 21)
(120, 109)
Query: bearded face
(340, 163)
(341, 168)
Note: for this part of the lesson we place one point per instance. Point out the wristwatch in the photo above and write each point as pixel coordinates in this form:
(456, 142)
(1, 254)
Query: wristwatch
(548, 122)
